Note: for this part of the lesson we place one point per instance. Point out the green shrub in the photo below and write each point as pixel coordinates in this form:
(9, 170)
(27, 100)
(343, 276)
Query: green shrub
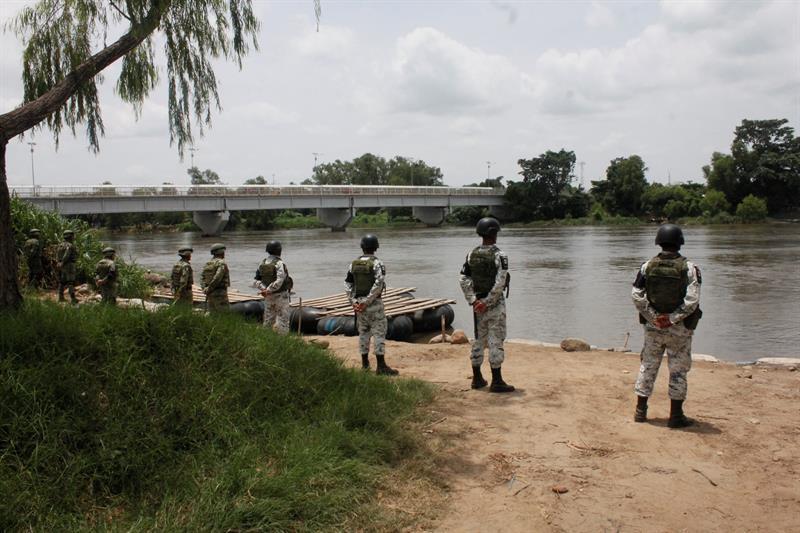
(752, 209)
(25, 216)
(674, 209)
(714, 202)
(127, 420)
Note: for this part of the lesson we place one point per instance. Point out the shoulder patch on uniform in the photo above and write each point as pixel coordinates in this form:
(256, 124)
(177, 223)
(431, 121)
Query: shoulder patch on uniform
(698, 274)
(466, 270)
(640, 280)
(504, 262)
(383, 269)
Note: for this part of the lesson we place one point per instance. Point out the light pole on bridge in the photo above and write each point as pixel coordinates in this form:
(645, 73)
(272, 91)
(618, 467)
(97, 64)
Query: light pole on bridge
(33, 176)
(488, 170)
(192, 150)
(316, 156)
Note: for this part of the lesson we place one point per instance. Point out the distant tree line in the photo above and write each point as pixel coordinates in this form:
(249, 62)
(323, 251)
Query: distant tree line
(760, 177)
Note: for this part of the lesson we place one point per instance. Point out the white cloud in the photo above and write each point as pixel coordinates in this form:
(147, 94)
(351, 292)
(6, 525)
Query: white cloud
(600, 15)
(434, 74)
(333, 43)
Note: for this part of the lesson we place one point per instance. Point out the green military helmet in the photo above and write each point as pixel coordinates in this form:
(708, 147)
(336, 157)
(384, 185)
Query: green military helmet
(68, 233)
(217, 247)
(33, 231)
(669, 234)
(108, 251)
(185, 251)
(369, 243)
(274, 248)
(487, 226)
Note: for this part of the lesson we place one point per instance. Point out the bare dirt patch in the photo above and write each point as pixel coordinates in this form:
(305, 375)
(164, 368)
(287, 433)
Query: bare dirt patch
(570, 426)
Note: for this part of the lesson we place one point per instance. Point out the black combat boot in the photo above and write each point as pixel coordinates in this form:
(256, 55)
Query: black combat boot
(676, 417)
(641, 409)
(498, 385)
(477, 378)
(384, 369)
(365, 361)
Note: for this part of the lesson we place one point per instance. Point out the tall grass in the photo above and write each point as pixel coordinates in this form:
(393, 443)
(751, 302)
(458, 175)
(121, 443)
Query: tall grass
(24, 217)
(128, 420)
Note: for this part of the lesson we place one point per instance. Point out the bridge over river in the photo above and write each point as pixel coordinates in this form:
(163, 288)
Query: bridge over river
(335, 204)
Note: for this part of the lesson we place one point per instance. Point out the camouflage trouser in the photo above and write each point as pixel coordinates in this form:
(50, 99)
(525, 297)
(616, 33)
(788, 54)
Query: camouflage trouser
(372, 322)
(217, 301)
(679, 353)
(490, 330)
(183, 298)
(108, 294)
(276, 311)
(35, 273)
(66, 280)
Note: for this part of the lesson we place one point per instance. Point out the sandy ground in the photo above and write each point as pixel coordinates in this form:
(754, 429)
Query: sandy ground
(570, 424)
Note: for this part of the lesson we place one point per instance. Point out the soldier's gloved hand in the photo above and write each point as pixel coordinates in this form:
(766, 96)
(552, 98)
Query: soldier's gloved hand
(263, 292)
(663, 322)
(479, 307)
(358, 307)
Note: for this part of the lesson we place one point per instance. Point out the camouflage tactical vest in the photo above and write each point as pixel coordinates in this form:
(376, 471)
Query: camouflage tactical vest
(33, 249)
(177, 272)
(67, 253)
(268, 273)
(211, 269)
(363, 270)
(483, 269)
(666, 282)
(106, 269)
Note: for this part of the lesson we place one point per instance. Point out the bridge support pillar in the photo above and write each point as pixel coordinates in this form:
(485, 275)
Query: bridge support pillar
(335, 218)
(211, 222)
(430, 216)
(500, 212)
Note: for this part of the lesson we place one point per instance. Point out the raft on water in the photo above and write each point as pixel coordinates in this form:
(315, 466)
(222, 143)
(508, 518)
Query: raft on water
(333, 315)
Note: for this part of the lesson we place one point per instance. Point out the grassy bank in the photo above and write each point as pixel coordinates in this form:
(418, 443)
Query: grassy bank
(127, 420)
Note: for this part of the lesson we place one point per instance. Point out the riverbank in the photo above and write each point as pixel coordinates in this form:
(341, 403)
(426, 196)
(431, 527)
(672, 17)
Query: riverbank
(570, 425)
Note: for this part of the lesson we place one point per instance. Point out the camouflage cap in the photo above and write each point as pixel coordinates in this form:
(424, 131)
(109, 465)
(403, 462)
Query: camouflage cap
(217, 247)
(109, 250)
(68, 232)
(185, 250)
(33, 231)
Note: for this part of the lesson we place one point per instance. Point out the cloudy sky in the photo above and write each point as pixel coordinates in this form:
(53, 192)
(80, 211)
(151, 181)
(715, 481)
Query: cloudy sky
(456, 84)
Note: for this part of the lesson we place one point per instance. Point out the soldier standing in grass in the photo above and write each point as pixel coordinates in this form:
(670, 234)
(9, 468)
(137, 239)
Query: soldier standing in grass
(216, 280)
(666, 293)
(34, 253)
(105, 277)
(67, 257)
(484, 277)
(365, 283)
(183, 278)
(274, 284)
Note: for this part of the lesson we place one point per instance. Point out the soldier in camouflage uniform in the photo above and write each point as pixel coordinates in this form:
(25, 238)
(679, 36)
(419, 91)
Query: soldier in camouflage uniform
(34, 253)
(666, 294)
(182, 278)
(216, 280)
(274, 284)
(484, 277)
(105, 277)
(67, 257)
(364, 284)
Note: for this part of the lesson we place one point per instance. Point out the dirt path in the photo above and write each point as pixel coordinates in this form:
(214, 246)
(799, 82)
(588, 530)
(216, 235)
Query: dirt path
(570, 423)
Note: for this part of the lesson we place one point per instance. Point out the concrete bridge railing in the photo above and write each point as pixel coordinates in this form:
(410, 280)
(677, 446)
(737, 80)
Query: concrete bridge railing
(335, 204)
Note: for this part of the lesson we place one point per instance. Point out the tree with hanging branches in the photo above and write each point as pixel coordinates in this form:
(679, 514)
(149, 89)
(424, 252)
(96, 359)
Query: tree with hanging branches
(68, 44)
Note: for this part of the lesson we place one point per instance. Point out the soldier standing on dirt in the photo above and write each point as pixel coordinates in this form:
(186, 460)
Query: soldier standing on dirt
(666, 293)
(182, 278)
(484, 277)
(365, 283)
(216, 280)
(105, 277)
(274, 284)
(67, 257)
(34, 253)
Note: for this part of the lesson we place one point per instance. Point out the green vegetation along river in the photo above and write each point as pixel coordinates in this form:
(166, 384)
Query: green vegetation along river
(566, 281)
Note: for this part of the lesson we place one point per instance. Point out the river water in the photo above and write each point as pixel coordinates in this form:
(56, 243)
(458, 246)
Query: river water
(565, 281)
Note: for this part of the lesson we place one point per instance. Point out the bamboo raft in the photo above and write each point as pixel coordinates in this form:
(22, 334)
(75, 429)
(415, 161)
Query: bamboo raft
(395, 302)
(199, 296)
